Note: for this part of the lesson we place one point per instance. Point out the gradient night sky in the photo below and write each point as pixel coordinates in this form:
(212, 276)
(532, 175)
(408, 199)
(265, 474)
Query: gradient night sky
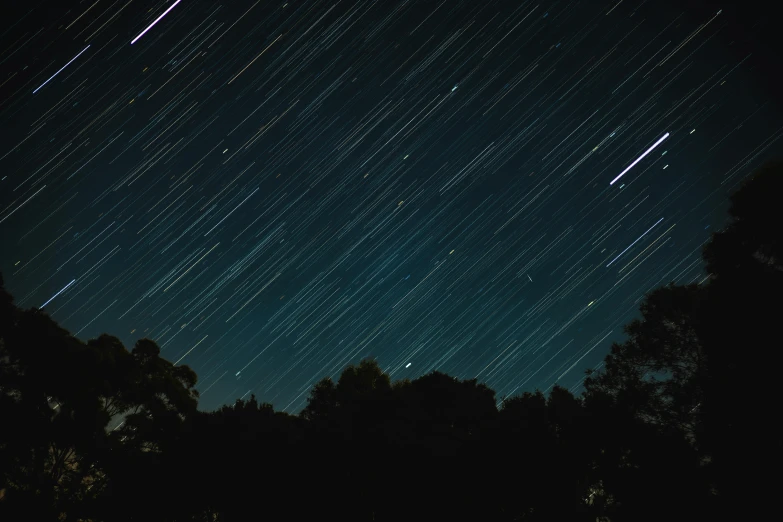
(273, 190)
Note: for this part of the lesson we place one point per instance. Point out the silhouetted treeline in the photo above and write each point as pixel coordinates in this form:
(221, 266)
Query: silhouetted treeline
(680, 423)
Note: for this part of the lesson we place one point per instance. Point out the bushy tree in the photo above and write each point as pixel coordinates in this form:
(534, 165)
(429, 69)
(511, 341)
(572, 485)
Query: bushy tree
(61, 397)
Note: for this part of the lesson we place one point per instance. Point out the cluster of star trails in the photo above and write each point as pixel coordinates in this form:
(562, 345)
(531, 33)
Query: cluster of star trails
(274, 190)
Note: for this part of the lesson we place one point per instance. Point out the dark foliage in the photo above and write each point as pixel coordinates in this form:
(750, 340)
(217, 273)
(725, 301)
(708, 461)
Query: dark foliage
(676, 425)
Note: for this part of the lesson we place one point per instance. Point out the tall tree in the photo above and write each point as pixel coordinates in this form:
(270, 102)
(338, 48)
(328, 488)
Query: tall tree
(700, 360)
(745, 261)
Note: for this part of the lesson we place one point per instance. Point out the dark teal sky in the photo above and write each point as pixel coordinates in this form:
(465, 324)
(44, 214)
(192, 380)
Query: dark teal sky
(273, 190)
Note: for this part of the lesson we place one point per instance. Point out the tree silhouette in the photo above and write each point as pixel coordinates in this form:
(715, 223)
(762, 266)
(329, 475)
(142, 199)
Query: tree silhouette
(745, 261)
(698, 361)
(61, 396)
(752, 243)
(659, 372)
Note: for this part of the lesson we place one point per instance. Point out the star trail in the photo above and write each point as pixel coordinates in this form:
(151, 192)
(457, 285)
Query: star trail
(274, 190)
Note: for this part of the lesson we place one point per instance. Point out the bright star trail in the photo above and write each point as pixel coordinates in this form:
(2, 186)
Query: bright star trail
(155, 22)
(273, 190)
(640, 158)
(61, 69)
(58, 293)
(632, 244)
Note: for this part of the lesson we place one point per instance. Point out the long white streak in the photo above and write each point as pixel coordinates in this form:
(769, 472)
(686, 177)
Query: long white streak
(191, 267)
(211, 385)
(94, 318)
(629, 167)
(61, 69)
(58, 293)
(583, 356)
(186, 353)
(23, 204)
(222, 220)
(632, 244)
(156, 21)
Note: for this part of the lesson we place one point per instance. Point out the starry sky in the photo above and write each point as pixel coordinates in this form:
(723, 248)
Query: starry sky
(272, 190)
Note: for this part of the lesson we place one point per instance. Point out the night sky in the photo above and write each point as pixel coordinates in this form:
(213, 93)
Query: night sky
(272, 190)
